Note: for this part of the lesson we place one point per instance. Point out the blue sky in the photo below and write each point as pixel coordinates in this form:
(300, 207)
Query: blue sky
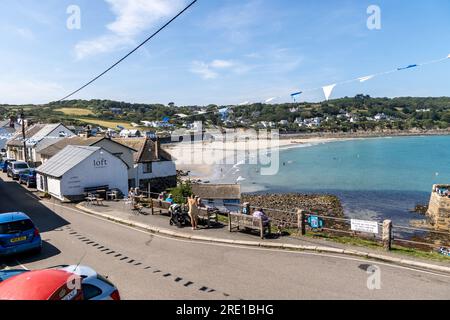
(221, 51)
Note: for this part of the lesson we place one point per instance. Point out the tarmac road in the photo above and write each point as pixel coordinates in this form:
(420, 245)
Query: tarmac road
(145, 266)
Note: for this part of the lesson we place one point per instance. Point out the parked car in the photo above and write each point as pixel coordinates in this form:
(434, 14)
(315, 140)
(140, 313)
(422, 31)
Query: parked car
(5, 163)
(94, 285)
(16, 168)
(6, 274)
(42, 285)
(18, 234)
(28, 177)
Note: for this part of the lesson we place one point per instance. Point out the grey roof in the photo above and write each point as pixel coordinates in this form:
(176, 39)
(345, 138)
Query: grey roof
(217, 191)
(65, 160)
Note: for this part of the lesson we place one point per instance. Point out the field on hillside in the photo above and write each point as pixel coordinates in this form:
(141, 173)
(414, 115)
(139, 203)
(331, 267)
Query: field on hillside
(106, 124)
(75, 111)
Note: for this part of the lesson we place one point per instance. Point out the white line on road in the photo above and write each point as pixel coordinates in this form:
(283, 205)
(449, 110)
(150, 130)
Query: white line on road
(248, 248)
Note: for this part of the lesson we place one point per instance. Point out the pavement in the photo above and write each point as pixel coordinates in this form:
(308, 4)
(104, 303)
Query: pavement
(119, 212)
(156, 266)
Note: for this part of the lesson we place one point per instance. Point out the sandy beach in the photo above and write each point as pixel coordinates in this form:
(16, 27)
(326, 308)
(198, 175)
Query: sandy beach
(204, 160)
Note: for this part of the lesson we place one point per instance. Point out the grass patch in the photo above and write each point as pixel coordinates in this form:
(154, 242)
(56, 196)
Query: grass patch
(75, 111)
(420, 254)
(106, 124)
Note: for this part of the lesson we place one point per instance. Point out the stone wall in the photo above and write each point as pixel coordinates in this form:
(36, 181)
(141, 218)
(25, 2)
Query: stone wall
(439, 210)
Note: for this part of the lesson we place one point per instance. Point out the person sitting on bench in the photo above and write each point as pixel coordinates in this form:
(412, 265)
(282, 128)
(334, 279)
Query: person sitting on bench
(260, 214)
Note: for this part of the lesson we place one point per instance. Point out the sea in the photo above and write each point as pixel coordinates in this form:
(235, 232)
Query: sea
(375, 178)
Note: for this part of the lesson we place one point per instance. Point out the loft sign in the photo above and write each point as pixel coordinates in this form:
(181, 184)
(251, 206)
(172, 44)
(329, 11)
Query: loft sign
(100, 163)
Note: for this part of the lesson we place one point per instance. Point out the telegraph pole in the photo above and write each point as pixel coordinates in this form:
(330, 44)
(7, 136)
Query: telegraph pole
(25, 151)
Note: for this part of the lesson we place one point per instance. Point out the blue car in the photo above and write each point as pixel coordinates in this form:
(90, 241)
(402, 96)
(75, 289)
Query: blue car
(28, 177)
(6, 274)
(18, 234)
(4, 164)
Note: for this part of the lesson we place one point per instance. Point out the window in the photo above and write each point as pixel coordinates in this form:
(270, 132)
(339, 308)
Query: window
(148, 168)
(90, 291)
(16, 226)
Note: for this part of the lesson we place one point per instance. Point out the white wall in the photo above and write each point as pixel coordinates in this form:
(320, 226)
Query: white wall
(86, 174)
(159, 170)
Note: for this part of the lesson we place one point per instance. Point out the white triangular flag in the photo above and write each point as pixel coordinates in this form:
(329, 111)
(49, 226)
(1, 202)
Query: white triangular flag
(448, 56)
(364, 79)
(270, 99)
(327, 90)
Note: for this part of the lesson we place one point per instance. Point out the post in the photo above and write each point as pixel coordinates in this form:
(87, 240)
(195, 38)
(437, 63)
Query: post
(261, 225)
(387, 234)
(301, 222)
(25, 151)
(152, 206)
(229, 222)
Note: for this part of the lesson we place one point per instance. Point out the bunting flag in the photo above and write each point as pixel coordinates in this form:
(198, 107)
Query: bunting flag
(367, 78)
(294, 95)
(408, 67)
(244, 103)
(328, 90)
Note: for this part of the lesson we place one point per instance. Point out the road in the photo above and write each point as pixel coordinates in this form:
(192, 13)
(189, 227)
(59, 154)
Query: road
(145, 266)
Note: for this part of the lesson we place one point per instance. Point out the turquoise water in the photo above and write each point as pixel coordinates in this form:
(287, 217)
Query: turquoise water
(375, 178)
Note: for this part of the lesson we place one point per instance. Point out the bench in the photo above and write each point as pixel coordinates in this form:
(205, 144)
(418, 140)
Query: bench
(160, 205)
(238, 221)
(99, 190)
(208, 215)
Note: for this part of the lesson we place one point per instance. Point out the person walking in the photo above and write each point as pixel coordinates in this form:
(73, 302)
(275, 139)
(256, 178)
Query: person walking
(192, 203)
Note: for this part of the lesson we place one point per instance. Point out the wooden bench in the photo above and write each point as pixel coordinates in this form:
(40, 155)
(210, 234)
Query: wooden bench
(160, 205)
(238, 221)
(207, 215)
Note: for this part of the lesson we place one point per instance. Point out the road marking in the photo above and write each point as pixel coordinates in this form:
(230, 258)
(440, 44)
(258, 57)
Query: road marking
(250, 248)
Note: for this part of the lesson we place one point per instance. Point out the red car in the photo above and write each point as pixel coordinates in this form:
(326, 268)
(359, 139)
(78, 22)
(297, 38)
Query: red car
(42, 285)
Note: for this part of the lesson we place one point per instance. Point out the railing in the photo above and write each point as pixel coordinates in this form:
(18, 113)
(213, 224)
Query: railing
(388, 235)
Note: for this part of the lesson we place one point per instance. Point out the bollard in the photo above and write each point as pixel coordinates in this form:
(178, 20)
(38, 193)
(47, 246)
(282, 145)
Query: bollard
(387, 234)
(301, 222)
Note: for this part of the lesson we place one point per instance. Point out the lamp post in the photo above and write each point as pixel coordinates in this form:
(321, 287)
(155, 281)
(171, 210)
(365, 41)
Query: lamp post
(25, 152)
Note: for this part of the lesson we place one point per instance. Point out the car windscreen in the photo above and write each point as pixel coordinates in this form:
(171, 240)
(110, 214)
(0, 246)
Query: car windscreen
(20, 166)
(16, 226)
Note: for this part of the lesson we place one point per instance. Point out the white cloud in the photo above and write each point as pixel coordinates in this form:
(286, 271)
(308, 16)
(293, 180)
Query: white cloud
(222, 64)
(132, 18)
(211, 70)
(204, 70)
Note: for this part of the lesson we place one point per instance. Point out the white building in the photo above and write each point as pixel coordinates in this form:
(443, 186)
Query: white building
(67, 175)
(37, 137)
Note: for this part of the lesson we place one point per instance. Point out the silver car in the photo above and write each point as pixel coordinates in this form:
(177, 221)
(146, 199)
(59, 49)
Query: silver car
(94, 285)
(16, 168)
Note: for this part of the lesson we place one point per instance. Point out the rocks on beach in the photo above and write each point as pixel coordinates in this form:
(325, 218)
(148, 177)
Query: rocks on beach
(327, 205)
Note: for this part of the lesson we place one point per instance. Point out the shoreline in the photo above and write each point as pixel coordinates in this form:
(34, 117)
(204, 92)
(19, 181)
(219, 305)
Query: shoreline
(213, 154)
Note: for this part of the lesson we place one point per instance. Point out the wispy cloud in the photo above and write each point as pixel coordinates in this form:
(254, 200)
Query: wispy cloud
(132, 18)
(213, 69)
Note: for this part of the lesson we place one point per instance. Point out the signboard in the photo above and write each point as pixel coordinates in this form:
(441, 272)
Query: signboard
(315, 222)
(364, 226)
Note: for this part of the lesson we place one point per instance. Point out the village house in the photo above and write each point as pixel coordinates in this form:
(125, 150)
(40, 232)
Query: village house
(69, 174)
(154, 168)
(222, 196)
(143, 166)
(37, 137)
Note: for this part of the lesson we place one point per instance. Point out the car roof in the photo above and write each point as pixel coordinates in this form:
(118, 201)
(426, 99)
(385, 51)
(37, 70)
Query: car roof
(83, 271)
(35, 285)
(20, 162)
(13, 216)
